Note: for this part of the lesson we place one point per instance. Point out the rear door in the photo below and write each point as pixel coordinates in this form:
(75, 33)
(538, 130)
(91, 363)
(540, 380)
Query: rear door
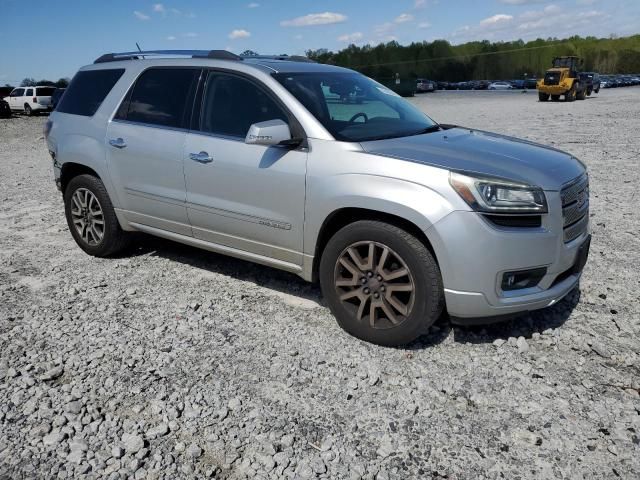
(43, 94)
(247, 197)
(145, 144)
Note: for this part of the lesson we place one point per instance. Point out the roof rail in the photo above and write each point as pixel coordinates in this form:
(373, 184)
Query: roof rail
(213, 54)
(291, 58)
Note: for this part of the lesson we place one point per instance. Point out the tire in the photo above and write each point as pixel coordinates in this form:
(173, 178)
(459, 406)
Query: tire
(570, 96)
(113, 238)
(580, 94)
(589, 92)
(27, 110)
(415, 299)
(543, 97)
(597, 90)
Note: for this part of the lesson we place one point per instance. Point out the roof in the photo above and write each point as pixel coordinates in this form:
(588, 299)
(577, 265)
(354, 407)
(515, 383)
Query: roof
(268, 63)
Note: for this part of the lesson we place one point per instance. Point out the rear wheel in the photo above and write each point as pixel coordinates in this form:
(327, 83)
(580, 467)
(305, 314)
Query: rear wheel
(381, 283)
(28, 110)
(581, 94)
(91, 217)
(543, 97)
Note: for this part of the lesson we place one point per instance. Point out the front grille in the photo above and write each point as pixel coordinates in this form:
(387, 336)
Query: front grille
(552, 78)
(575, 207)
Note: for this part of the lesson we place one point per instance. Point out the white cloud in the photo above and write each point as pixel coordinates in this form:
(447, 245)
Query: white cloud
(253, 5)
(350, 37)
(141, 16)
(403, 18)
(424, 25)
(190, 35)
(239, 33)
(171, 38)
(325, 18)
(495, 19)
(159, 8)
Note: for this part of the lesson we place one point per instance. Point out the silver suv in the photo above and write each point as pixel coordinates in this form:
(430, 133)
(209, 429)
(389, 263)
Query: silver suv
(323, 172)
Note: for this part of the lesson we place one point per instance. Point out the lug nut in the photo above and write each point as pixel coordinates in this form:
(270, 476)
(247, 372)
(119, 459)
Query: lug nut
(382, 288)
(379, 278)
(376, 295)
(370, 274)
(363, 280)
(366, 291)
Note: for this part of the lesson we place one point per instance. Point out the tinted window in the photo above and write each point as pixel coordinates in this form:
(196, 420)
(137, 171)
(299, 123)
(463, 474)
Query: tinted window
(17, 93)
(353, 107)
(44, 91)
(29, 92)
(87, 90)
(231, 104)
(161, 96)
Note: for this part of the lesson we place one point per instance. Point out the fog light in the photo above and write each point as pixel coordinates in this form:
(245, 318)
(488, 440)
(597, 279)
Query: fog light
(522, 278)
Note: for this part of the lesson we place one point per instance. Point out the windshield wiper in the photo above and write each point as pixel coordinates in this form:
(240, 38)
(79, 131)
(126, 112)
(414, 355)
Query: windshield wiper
(431, 129)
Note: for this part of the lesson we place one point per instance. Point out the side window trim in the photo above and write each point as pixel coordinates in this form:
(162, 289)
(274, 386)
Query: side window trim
(294, 124)
(121, 113)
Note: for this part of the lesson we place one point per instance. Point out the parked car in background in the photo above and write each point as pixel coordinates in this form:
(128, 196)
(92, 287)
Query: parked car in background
(398, 217)
(517, 84)
(531, 83)
(56, 96)
(5, 110)
(424, 85)
(591, 81)
(31, 100)
(441, 85)
(500, 86)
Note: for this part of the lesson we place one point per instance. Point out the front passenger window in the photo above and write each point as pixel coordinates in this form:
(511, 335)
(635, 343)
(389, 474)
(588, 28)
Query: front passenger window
(231, 104)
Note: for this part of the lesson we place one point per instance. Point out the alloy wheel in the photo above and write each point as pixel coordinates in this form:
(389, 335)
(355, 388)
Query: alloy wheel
(87, 216)
(374, 284)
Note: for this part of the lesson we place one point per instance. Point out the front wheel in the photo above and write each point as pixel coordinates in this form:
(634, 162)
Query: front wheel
(91, 217)
(543, 97)
(381, 283)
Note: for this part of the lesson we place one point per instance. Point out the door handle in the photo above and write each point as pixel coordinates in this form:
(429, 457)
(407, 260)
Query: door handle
(117, 142)
(202, 157)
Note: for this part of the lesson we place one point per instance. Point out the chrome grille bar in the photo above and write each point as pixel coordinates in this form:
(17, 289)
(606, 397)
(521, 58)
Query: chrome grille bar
(575, 207)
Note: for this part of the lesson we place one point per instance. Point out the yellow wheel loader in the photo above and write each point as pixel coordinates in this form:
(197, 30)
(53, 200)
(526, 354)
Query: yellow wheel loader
(562, 79)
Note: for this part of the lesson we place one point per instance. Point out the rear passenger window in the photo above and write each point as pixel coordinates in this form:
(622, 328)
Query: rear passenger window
(161, 97)
(88, 90)
(29, 92)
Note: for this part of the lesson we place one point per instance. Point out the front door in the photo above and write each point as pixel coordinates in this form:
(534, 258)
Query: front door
(247, 197)
(145, 145)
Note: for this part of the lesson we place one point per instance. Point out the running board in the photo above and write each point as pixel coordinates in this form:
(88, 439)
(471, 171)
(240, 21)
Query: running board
(217, 248)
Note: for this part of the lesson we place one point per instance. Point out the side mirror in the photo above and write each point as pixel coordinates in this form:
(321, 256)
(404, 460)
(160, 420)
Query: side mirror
(270, 133)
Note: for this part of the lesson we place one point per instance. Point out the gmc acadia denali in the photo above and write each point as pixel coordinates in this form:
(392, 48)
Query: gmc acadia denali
(323, 172)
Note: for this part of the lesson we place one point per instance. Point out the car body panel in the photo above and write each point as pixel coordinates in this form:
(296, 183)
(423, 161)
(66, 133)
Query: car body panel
(484, 153)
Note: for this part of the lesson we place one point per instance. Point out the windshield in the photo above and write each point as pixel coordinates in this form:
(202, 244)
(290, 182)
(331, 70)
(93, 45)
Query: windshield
(354, 108)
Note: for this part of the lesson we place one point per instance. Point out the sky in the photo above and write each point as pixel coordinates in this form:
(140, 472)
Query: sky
(46, 39)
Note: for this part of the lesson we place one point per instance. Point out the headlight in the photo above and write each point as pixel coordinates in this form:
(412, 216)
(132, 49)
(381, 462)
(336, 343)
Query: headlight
(493, 195)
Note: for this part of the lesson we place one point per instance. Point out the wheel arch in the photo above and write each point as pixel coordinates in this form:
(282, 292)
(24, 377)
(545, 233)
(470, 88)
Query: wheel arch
(70, 170)
(344, 216)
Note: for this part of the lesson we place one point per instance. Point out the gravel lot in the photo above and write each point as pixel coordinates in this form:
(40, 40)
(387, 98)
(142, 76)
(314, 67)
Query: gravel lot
(171, 362)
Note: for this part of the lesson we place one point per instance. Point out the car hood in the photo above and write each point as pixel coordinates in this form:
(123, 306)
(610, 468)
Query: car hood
(485, 153)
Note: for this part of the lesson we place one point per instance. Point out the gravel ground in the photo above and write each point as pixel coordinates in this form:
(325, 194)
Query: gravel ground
(171, 362)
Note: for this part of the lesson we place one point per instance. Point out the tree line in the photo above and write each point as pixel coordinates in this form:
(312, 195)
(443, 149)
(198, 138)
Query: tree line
(484, 60)
(32, 82)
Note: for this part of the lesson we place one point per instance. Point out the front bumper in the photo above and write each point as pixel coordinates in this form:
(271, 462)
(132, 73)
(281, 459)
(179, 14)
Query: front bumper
(473, 254)
(553, 89)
